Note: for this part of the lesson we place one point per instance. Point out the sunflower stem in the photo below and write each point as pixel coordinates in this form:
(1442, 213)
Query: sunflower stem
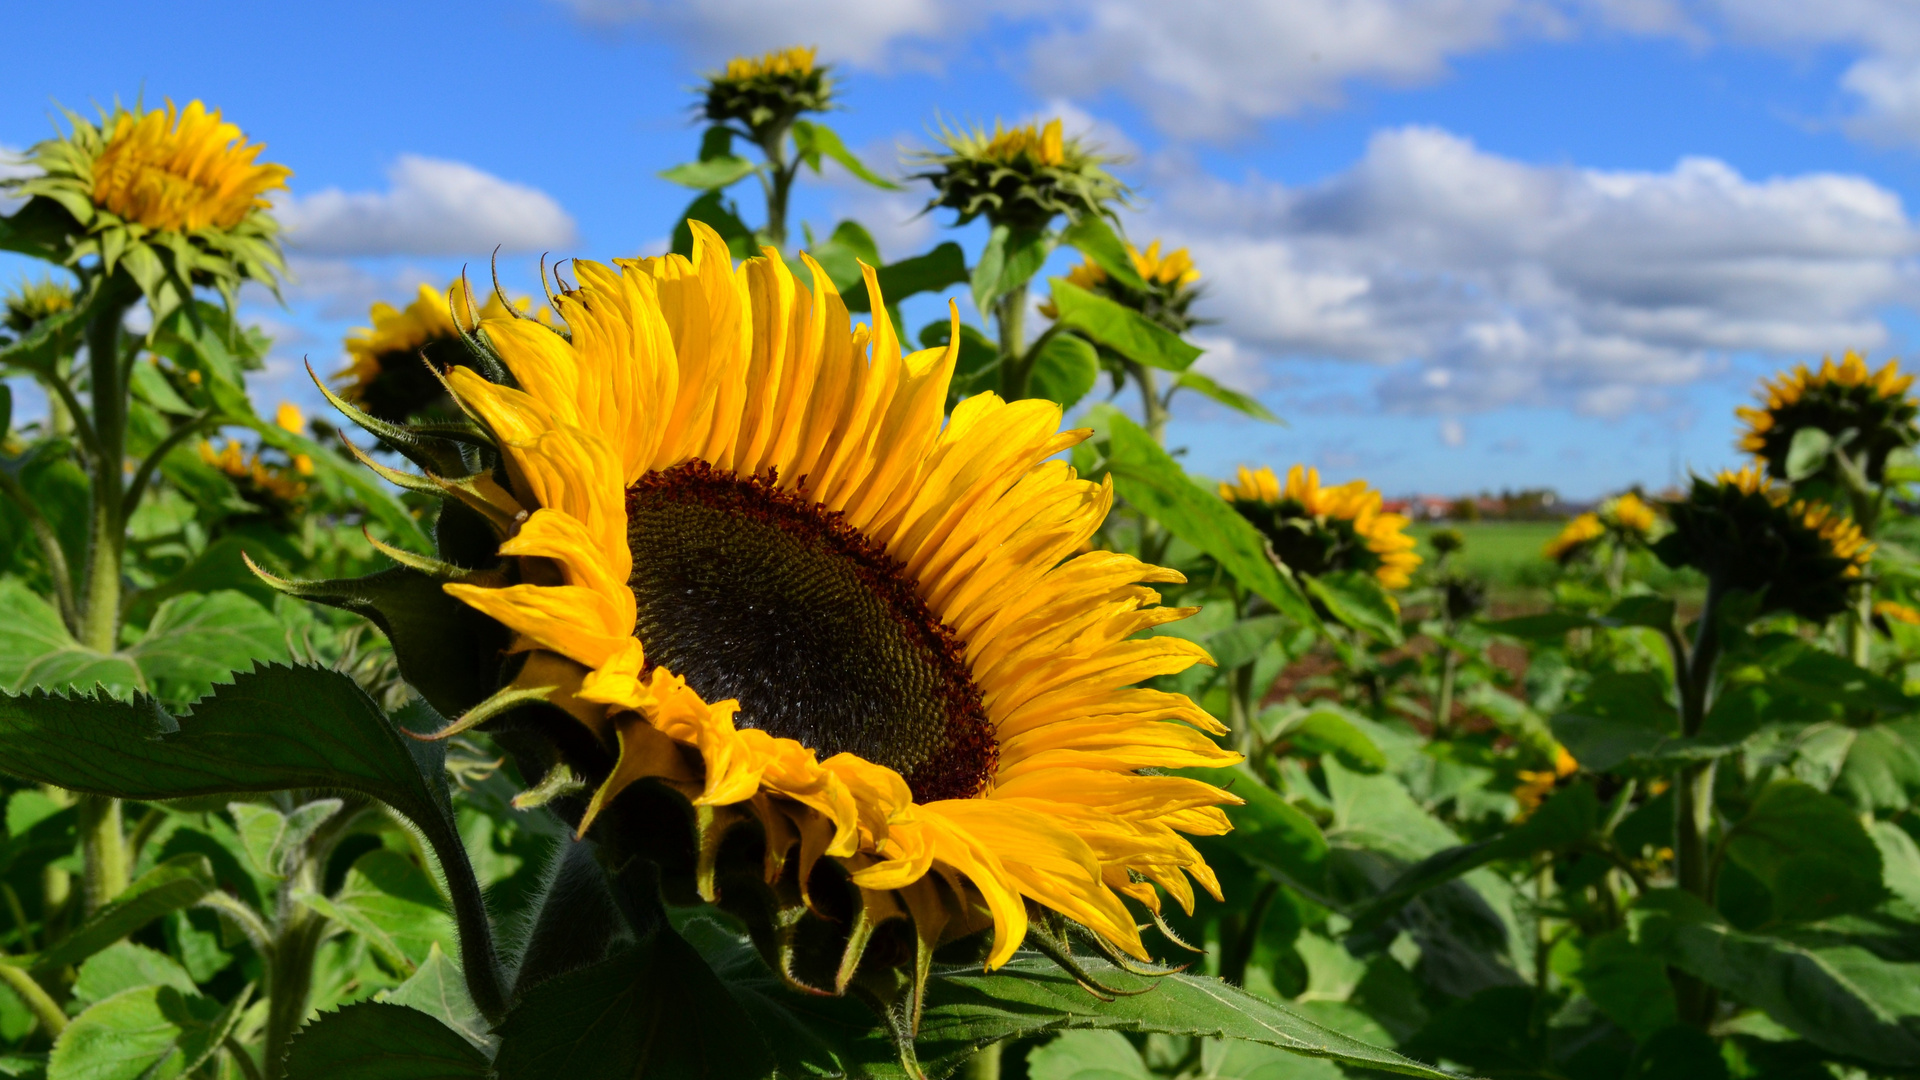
(1155, 408)
(773, 143)
(985, 1063)
(1693, 670)
(1011, 313)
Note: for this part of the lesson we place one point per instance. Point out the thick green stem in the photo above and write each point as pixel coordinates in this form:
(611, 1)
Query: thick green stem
(1154, 406)
(1242, 708)
(1443, 703)
(1011, 313)
(1693, 791)
(779, 187)
(103, 845)
(290, 983)
(38, 1001)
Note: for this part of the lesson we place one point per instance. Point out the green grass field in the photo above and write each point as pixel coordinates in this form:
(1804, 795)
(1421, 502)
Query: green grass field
(1506, 555)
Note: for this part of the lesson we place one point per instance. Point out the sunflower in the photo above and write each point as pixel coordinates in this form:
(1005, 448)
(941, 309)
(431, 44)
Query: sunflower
(1021, 177)
(1578, 536)
(387, 376)
(1867, 412)
(275, 490)
(1629, 515)
(32, 302)
(1744, 532)
(766, 93)
(1893, 611)
(1169, 279)
(745, 556)
(1316, 530)
(176, 196)
(1536, 785)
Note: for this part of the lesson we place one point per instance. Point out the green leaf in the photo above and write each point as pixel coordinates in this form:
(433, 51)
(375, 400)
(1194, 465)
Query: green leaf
(813, 139)
(1093, 237)
(841, 255)
(1841, 996)
(1121, 328)
(711, 174)
(378, 1041)
(941, 268)
(1030, 996)
(151, 387)
(1376, 812)
(1810, 850)
(274, 840)
(197, 641)
(1232, 399)
(1562, 821)
(124, 966)
(1324, 731)
(273, 729)
(1621, 716)
(1145, 476)
(1064, 368)
(148, 1033)
(1243, 642)
(438, 989)
(1808, 453)
(977, 365)
(653, 1009)
(51, 340)
(37, 651)
(392, 904)
(174, 884)
(1628, 983)
(723, 217)
(1357, 599)
(1270, 832)
(1011, 258)
(1087, 1055)
(1882, 769)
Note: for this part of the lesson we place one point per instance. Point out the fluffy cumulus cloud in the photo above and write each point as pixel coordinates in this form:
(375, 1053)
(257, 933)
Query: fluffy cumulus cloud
(1479, 281)
(430, 208)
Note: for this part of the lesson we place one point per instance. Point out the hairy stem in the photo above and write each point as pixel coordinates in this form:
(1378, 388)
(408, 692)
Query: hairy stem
(38, 1001)
(1155, 407)
(51, 552)
(103, 848)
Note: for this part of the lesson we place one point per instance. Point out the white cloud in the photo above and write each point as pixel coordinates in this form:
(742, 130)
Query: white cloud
(863, 32)
(1478, 281)
(1885, 82)
(1452, 433)
(432, 207)
(13, 163)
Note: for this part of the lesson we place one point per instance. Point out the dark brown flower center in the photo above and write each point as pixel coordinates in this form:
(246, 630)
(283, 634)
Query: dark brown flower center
(759, 594)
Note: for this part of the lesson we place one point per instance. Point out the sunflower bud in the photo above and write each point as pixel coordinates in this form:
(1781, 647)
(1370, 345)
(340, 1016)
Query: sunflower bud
(1316, 530)
(1744, 533)
(175, 196)
(31, 302)
(1170, 281)
(1867, 413)
(767, 93)
(1021, 177)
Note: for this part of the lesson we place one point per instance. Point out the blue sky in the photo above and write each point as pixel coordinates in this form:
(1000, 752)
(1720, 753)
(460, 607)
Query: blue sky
(1458, 245)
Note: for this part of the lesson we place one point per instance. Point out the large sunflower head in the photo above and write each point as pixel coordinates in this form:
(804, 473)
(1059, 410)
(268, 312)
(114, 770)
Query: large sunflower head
(1868, 413)
(176, 196)
(1021, 177)
(1744, 532)
(389, 376)
(1170, 279)
(729, 542)
(1320, 530)
(32, 302)
(766, 93)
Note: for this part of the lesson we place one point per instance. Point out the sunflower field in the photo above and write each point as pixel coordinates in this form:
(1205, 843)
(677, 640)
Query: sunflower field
(696, 671)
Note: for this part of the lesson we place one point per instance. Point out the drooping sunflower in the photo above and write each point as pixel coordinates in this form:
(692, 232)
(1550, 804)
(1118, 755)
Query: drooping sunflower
(1868, 413)
(1021, 177)
(742, 553)
(1745, 532)
(1316, 530)
(766, 93)
(387, 375)
(176, 196)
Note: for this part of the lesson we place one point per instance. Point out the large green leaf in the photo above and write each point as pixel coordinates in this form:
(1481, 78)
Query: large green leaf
(1146, 477)
(1629, 983)
(438, 989)
(147, 1033)
(37, 651)
(1836, 993)
(391, 903)
(1810, 851)
(967, 1008)
(124, 966)
(1087, 1055)
(1882, 768)
(814, 140)
(1207, 387)
(273, 729)
(1121, 328)
(174, 884)
(941, 268)
(654, 1009)
(196, 641)
(1010, 259)
(1269, 831)
(1358, 599)
(1064, 368)
(712, 174)
(377, 1041)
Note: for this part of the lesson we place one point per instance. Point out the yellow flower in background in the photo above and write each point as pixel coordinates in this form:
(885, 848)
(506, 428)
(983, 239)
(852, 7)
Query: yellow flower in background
(1536, 785)
(388, 375)
(1175, 268)
(182, 170)
(33, 301)
(177, 196)
(1894, 611)
(270, 487)
(755, 562)
(1169, 280)
(1578, 534)
(289, 417)
(1870, 409)
(1317, 530)
(796, 60)
(1022, 177)
(1630, 513)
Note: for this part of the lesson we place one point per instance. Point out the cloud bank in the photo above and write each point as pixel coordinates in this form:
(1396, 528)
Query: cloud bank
(431, 207)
